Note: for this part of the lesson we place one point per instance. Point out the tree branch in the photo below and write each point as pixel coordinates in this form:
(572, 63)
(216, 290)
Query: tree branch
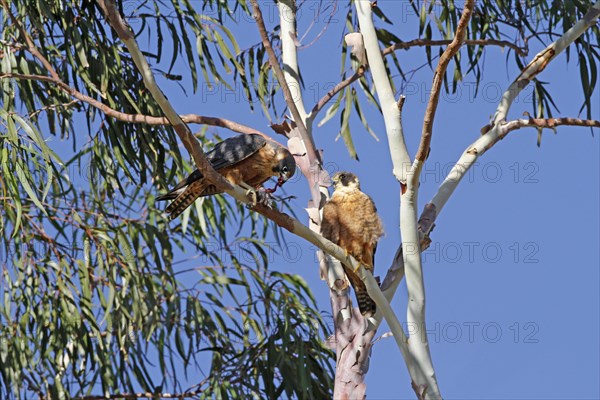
(541, 60)
(418, 362)
(260, 23)
(540, 123)
(485, 142)
(339, 87)
(131, 396)
(521, 51)
(352, 343)
(425, 385)
(192, 145)
(546, 123)
(136, 118)
(473, 152)
(130, 118)
(331, 270)
(438, 78)
(289, 55)
(310, 161)
(395, 272)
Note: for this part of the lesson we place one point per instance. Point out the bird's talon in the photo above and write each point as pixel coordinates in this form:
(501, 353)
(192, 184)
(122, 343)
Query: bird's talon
(265, 198)
(260, 196)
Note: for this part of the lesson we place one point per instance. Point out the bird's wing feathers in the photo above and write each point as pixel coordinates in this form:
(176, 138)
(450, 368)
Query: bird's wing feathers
(330, 228)
(235, 149)
(225, 154)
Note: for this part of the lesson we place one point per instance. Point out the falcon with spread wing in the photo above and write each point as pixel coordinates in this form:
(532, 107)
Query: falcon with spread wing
(350, 220)
(245, 160)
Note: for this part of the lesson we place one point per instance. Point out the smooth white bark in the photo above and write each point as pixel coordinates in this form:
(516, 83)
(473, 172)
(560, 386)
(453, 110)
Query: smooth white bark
(419, 361)
(385, 94)
(289, 56)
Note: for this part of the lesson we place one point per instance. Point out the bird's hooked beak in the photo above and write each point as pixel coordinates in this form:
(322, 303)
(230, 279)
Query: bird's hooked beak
(335, 181)
(283, 177)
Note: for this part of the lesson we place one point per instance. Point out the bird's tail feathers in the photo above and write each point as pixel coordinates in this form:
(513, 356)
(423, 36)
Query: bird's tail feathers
(366, 305)
(166, 196)
(184, 200)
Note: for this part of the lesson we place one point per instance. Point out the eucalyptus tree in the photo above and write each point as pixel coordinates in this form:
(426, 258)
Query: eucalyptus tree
(94, 304)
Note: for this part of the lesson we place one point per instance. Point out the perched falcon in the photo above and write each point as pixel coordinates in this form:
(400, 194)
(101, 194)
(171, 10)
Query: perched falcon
(350, 220)
(245, 160)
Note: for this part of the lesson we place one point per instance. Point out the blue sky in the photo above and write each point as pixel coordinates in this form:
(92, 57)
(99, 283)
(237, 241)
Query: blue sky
(512, 276)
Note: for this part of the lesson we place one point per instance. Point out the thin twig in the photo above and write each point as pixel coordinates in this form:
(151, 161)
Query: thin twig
(540, 123)
(549, 123)
(129, 396)
(438, 78)
(521, 51)
(260, 23)
(52, 107)
(135, 118)
(339, 87)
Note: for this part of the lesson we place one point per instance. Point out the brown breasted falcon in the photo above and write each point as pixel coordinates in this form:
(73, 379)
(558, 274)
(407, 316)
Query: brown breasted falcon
(350, 220)
(246, 160)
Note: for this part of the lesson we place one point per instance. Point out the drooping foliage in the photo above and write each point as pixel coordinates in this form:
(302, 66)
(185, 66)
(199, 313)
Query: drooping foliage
(94, 295)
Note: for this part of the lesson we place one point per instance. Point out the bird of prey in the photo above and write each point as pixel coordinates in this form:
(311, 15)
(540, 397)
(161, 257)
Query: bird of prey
(350, 220)
(246, 160)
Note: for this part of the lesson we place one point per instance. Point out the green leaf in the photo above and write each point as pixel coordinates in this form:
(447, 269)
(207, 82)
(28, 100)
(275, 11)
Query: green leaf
(332, 110)
(422, 19)
(23, 178)
(345, 125)
(362, 117)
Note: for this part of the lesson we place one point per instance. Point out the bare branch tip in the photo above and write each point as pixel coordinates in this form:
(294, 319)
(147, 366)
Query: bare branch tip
(400, 102)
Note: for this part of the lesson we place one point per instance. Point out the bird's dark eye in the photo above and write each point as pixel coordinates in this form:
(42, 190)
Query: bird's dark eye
(342, 176)
(284, 169)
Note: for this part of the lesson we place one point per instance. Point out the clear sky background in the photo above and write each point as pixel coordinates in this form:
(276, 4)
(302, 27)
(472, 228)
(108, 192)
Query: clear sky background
(512, 276)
